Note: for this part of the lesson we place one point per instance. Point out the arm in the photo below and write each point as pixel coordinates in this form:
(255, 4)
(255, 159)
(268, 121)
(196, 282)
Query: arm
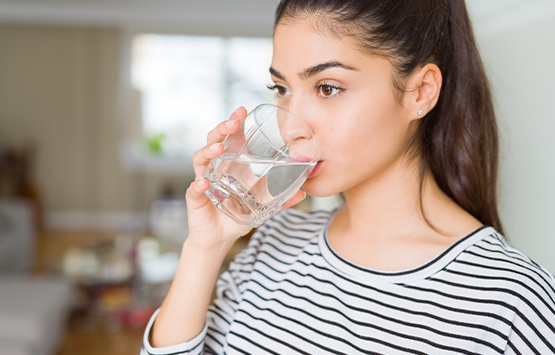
(179, 325)
(183, 313)
(219, 316)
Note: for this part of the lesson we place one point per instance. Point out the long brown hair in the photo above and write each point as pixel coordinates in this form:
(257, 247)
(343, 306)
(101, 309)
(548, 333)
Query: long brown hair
(458, 139)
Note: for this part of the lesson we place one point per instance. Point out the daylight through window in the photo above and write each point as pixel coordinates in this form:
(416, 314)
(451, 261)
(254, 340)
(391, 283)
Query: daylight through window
(188, 84)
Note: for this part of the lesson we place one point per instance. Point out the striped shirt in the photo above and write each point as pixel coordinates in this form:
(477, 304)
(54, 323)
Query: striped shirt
(289, 292)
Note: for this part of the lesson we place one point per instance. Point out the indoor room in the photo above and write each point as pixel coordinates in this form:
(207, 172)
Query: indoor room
(104, 103)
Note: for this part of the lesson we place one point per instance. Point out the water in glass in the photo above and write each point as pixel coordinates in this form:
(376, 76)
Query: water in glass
(249, 190)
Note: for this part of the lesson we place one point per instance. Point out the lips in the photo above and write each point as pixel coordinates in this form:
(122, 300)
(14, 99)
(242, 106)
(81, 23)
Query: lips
(315, 169)
(300, 158)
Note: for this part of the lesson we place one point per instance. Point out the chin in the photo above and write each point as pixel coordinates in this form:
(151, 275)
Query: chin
(319, 186)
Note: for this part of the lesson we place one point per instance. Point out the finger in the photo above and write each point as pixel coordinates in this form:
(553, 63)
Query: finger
(195, 196)
(202, 157)
(227, 127)
(298, 197)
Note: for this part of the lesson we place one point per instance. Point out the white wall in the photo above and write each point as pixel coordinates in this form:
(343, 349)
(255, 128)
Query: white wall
(520, 63)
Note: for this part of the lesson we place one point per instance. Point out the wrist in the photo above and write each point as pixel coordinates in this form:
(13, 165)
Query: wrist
(192, 244)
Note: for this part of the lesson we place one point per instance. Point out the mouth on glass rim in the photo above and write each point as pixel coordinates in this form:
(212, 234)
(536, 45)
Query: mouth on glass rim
(315, 169)
(302, 159)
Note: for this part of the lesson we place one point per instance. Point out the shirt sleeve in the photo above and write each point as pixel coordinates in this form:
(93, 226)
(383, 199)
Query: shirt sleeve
(533, 328)
(229, 289)
(193, 346)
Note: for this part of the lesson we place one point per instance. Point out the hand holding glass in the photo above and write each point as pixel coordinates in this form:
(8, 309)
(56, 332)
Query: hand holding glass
(262, 166)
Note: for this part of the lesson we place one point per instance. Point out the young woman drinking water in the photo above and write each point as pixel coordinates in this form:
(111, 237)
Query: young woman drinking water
(414, 261)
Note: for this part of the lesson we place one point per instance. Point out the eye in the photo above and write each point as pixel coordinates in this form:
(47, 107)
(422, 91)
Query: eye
(280, 90)
(328, 91)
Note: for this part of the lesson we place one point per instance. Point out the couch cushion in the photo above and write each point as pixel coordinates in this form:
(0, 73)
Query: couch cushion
(33, 311)
(17, 235)
(16, 347)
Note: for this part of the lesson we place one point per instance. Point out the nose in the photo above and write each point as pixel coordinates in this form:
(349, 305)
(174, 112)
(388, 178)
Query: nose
(298, 137)
(291, 127)
(300, 108)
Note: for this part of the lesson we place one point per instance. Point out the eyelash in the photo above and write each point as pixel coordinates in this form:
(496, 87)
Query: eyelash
(317, 87)
(273, 87)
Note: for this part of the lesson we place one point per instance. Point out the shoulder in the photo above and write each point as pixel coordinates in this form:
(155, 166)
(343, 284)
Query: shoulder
(297, 219)
(287, 227)
(522, 286)
(290, 231)
(502, 268)
(295, 224)
(283, 237)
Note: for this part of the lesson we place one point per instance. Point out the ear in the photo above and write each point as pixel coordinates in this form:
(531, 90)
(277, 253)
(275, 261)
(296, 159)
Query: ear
(423, 88)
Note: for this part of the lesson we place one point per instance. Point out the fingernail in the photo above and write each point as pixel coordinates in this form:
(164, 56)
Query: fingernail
(215, 146)
(201, 182)
(304, 195)
(230, 122)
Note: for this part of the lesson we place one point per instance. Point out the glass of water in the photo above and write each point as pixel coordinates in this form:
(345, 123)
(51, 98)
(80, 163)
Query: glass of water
(262, 166)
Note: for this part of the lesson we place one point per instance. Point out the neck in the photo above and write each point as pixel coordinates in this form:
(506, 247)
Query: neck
(389, 204)
(382, 226)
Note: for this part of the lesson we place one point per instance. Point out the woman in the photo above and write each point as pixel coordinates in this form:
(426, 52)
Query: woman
(414, 261)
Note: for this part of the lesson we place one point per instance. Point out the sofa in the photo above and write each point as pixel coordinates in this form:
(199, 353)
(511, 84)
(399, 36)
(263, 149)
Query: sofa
(33, 308)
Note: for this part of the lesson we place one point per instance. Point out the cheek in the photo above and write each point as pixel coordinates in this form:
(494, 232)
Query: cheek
(346, 143)
(373, 138)
(358, 130)
(362, 125)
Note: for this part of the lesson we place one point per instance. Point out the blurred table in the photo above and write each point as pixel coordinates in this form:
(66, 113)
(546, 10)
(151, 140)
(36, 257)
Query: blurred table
(106, 305)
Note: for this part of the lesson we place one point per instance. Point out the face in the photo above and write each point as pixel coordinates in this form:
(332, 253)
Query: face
(346, 98)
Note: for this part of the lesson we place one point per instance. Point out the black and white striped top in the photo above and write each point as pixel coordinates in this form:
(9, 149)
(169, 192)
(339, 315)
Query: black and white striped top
(289, 292)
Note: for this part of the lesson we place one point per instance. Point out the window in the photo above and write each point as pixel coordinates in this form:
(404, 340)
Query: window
(186, 85)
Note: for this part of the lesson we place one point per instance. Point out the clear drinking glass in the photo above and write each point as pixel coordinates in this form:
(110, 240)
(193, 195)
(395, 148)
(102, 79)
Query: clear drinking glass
(262, 166)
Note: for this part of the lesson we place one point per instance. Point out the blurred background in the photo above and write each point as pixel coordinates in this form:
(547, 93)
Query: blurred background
(103, 102)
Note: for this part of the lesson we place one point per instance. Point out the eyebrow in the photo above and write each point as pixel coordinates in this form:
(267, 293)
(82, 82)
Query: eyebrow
(311, 71)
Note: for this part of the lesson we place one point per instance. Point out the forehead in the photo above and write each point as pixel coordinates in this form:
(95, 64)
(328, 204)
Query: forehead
(298, 43)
